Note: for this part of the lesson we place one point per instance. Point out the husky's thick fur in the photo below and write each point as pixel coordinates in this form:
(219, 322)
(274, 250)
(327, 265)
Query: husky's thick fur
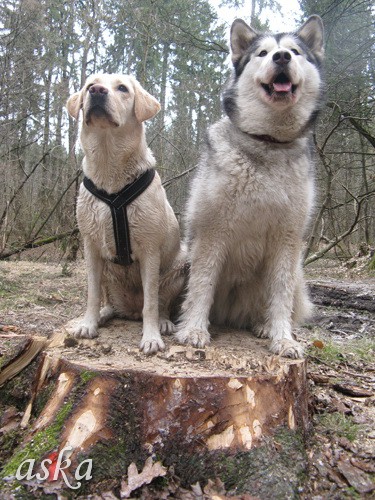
(252, 195)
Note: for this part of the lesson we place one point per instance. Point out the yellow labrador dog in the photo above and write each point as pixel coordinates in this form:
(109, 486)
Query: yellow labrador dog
(132, 251)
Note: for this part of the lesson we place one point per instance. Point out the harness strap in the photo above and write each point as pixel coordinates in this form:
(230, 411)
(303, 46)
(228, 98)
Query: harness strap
(118, 202)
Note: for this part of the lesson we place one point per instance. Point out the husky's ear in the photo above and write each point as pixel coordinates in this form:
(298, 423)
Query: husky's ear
(312, 34)
(241, 36)
(74, 104)
(145, 106)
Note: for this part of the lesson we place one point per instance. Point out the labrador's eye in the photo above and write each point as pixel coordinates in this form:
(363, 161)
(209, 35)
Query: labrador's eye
(89, 86)
(122, 88)
(263, 53)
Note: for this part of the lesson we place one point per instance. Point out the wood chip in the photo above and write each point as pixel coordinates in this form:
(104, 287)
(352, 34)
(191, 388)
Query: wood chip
(137, 479)
(32, 349)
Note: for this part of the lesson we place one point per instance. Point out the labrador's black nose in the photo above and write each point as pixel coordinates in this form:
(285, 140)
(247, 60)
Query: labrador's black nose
(98, 89)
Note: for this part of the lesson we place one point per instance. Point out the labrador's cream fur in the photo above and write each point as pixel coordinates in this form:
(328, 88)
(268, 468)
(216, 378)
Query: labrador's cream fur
(116, 153)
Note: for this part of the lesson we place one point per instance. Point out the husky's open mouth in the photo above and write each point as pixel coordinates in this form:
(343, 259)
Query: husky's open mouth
(280, 87)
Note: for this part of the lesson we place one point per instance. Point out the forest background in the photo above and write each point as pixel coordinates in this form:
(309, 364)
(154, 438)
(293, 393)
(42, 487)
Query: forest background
(178, 50)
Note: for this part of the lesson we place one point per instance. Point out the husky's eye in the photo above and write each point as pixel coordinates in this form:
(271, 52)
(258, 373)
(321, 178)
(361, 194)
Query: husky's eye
(263, 53)
(295, 51)
(122, 88)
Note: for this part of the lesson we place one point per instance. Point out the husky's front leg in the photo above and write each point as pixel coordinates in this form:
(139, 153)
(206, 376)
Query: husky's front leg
(88, 327)
(206, 264)
(281, 274)
(151, 339)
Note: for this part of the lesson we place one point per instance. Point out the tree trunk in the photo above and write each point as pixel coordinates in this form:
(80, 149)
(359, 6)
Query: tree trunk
(207, 412)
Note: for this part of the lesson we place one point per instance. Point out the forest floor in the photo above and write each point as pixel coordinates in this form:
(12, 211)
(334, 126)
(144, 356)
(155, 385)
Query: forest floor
(37, 297)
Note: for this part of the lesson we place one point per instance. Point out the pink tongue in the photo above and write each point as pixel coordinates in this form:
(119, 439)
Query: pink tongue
(282, 87)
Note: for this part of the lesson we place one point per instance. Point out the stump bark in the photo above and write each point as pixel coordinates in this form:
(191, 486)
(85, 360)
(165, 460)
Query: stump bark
(206, 412)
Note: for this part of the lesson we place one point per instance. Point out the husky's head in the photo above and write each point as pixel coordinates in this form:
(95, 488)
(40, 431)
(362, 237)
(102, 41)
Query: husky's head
(276, 86)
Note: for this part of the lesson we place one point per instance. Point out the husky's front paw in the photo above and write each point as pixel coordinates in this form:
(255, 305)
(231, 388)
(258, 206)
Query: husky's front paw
(261, 332)
(86, 329)
(193, 336)
(288, 348)
(151, 343)
(166, 326)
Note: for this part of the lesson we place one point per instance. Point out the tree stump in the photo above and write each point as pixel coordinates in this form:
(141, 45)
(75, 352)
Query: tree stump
(229, 411)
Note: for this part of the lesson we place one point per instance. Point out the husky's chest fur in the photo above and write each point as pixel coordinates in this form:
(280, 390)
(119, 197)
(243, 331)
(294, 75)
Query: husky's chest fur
(263, 187)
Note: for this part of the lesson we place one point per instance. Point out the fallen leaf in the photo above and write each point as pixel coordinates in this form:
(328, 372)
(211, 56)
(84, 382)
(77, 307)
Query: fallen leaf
(338, 406)
(175, 349)
(10, 420)
(214, 488)
(346, 444)
(52, 467)
(361, 464)
(197, 490)
(318, 378)
(355, 477)
(335, 477)
(318, 343)
(9, 328)
(108, 495)
(136, 480)
(8, 415)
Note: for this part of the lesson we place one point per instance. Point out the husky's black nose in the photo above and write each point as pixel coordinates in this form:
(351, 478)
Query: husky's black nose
(282, 57)
(98, 90)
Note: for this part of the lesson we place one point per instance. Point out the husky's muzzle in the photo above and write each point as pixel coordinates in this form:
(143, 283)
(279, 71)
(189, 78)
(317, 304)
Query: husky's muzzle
(281, 86)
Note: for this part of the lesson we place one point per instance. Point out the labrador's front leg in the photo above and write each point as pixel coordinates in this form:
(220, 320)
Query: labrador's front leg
(88, 327)
(151, 339)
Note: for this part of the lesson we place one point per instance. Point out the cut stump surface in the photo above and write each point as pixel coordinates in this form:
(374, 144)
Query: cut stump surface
(226, 396)
(229, 397)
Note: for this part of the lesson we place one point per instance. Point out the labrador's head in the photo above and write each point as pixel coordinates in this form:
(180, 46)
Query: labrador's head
(112, 101)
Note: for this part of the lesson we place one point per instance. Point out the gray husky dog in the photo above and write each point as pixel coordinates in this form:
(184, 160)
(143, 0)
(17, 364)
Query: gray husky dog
(253, 192)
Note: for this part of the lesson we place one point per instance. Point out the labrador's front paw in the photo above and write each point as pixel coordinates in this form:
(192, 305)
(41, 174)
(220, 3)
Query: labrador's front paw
(151, 343)
(86, 329)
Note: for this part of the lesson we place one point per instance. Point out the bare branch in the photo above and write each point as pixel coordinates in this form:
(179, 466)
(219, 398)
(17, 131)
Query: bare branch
(39, 243)
(182, 174)
(339, 238)
(355, 122)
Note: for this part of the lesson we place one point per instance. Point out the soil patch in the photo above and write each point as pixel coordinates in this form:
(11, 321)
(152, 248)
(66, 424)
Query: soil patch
(38, 298)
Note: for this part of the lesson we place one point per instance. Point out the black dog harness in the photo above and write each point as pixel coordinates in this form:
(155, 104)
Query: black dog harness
(118, 202)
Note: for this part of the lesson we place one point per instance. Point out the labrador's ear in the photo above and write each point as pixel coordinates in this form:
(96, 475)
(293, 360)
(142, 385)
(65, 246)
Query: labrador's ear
(74, 104)
(145, 106)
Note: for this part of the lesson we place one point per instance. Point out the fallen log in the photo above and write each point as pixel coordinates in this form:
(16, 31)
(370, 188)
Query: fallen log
(231, 411)
(343, 296)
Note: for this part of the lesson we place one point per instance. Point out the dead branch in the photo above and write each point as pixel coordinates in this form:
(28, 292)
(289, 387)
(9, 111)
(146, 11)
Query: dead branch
(355, 122)
(182, 174)
(338, 239)
(20, 187)
(39, 243)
